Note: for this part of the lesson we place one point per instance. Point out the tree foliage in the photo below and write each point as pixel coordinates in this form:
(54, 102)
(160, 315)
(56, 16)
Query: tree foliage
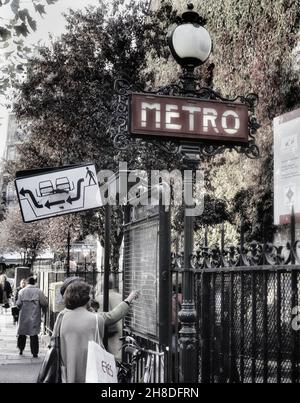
(14, 52)
(30, 239)
(67, 98)
(27, 239)
(255, 49)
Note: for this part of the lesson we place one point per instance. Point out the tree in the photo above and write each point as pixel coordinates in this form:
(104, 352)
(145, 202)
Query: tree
(67, 99)
(255, 49)
(30, 239)
(17, 24)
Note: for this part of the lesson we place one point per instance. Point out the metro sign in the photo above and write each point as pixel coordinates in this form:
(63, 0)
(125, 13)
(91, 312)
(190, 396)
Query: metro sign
(188, 119)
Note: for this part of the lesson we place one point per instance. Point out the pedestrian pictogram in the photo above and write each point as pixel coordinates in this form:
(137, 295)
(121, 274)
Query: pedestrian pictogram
(90, 175)
(47, 193)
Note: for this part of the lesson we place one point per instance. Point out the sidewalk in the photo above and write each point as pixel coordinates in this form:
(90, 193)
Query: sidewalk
(14, 367)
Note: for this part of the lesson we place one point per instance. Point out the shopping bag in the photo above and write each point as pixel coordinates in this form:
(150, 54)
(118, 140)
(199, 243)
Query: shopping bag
(51, 370)
(101, 365)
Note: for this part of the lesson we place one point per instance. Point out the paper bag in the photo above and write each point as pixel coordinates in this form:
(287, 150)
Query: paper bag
(101, 365)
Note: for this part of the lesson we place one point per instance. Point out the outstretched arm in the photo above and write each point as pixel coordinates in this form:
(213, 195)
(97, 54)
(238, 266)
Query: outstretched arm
(120, 310)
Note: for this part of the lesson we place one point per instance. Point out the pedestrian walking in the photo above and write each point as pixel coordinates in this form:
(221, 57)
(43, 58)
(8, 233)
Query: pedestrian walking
(78, 327)
(14, 309)
(5, 291)
(31, 301)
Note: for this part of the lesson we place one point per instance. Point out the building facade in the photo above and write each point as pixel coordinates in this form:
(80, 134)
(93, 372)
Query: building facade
(15, 137)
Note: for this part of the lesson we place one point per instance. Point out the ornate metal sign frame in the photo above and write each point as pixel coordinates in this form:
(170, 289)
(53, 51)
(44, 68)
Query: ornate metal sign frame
(119, 129)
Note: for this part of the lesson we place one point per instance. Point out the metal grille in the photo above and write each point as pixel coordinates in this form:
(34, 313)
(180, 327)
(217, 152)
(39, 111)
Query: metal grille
(248, 332)
(141, 271)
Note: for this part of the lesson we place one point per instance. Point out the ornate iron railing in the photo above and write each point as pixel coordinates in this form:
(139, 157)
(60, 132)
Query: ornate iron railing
(247, 299)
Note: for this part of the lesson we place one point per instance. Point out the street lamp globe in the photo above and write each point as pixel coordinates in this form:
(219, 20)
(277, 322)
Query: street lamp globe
(189, 42)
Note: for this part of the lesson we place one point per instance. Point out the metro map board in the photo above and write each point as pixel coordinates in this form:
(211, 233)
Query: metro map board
(286, 167)
(192, 119)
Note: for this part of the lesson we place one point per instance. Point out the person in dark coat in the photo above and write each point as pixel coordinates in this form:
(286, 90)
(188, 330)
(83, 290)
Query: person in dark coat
(6, 291)
(14, 309)
(31, 301)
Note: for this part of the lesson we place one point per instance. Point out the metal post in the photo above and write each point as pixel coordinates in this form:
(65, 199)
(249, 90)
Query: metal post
(106, 264)
(165, 283)
(294, 302)
(293, 235)
(94, 283)
(68, 251)
(187, 315)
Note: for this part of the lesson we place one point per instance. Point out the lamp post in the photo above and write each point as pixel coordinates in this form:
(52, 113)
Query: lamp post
(68, 251)
(229, 128)
(190, 45)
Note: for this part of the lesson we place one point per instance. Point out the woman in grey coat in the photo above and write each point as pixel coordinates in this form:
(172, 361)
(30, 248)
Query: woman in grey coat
(31, 300)
(78, 327)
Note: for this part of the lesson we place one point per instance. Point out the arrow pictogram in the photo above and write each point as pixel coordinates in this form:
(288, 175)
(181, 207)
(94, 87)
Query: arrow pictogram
(49, 205)
(71, 199)
(29, 192)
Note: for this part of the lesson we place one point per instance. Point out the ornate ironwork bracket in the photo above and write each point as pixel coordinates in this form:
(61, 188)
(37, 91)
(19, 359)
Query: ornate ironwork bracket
(122, 139)
(253, 254)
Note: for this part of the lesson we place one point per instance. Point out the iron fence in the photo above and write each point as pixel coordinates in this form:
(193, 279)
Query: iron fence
(246, 298)
(245, 324)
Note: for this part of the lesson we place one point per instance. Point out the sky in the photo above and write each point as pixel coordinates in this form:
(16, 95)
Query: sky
(54, 23)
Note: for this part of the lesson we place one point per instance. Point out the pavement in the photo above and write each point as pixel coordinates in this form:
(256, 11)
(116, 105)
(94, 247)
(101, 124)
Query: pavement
(15, 368)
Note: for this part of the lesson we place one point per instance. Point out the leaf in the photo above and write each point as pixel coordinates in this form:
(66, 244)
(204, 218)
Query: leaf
(15, 5)
(32, 23)
(51, 1)
(5, 45)
(20, 67)
(18, 41)
(21, 29)
(7, 54)
(39, 8)
(23, 14)
(3, 2)
(5, 34)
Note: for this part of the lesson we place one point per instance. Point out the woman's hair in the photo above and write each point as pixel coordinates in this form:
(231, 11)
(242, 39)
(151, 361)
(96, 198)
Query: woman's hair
(67, 282)
(77, 294)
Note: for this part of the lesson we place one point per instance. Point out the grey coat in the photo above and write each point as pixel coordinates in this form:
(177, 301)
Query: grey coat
(78, 327)
(115, 330)
(30, 301)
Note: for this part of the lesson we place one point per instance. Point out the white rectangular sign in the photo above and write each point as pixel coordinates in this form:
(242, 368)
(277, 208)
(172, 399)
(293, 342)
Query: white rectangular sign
(59, 191)
(286, 166)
